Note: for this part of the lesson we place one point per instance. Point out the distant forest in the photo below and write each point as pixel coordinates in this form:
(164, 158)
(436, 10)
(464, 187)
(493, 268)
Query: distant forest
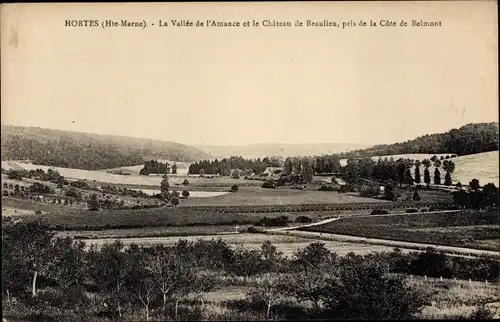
(469, 139)
(87, 151)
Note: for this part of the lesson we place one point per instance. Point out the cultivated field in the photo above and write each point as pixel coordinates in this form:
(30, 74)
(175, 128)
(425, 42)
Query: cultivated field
(157, 217)
(424, 228)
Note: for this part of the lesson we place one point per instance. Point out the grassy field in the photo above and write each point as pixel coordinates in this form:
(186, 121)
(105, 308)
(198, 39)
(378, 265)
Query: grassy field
(425, 228)
(280, 196)
(286, 244)
(154, 232)
(450, 298)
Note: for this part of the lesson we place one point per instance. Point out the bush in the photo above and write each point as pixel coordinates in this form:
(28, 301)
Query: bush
(325, 187)
(254, 230)
(303, 219)
(482, 313)
(234, 188)
(185, 182)
(379, 212)
(269, 184)
(411, 210)
(273, 222)
(185, 194)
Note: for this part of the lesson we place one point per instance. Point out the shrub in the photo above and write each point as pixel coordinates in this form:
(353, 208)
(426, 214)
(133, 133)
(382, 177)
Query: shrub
(273, 222)
(185, 194)
(303, 219)
(269, 184)
(325, 187)
(234, 188)
(185, 182)
(482, 313)
(411, 210)
(38, 212)
(379, 212)
(254, 230)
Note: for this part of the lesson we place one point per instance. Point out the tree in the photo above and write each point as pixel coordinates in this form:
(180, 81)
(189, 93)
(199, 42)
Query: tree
(171, 273)
(234, 188)
(447, 179)
(362, 290)
(165, 187)
(427, 176)
(93, 203)
(288, 169)
(202, 172)
(491, 194)
(437, 176)
(68, 262)
(416, 196)
(140, 281)
(312, 265)
(417, 173)
(272, 259)
(108, 270)
(185, 182)
(474, 184)
(174, 168)
(174, 201)
(235, 174)
(185, 194)
(26, 251)
(307, 171)
(268, 290)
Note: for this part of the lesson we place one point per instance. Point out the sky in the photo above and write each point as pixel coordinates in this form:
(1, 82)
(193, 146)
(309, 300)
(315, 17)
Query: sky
(247, 85)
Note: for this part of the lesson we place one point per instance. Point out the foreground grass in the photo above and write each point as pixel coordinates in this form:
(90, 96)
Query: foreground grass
(420, 227)
(450, 299)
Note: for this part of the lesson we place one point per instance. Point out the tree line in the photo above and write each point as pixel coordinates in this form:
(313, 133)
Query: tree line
(468, 139)
(57, 278)
(156, 167)
(224, 166)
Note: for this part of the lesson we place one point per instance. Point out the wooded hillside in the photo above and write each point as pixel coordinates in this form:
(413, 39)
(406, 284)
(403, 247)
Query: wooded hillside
(87, 150)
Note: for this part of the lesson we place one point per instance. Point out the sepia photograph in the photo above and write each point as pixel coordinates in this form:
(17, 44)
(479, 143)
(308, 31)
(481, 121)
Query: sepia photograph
(250, 161)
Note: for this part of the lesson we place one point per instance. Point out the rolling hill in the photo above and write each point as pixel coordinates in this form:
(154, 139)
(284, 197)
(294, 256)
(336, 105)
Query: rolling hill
(468, 139)
(88, 150)
(276, 149)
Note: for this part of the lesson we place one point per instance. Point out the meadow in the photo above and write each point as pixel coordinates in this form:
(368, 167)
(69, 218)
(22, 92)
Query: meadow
(285, 244)
(442, 229)
(452, 298)
(280, 196)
